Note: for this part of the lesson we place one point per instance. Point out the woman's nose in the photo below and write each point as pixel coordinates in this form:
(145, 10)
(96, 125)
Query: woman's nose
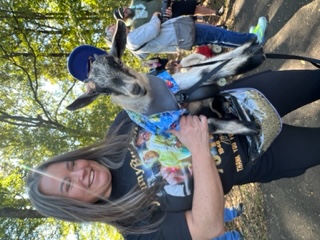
(78, 174)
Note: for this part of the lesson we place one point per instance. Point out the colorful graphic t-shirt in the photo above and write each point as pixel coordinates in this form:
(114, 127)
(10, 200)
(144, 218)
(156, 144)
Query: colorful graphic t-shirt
(154, 159)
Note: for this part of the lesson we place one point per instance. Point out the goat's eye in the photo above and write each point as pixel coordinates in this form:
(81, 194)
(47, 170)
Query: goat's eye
(115, 63)
(118, 64)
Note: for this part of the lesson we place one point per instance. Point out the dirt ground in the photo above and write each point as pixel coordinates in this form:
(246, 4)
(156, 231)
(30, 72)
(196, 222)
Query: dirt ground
(288, 208)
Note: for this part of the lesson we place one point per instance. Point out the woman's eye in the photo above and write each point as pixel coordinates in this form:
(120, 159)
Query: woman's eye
(70, 165)
(68, 185)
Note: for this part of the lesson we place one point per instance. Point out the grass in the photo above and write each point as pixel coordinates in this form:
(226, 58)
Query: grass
(252, 222)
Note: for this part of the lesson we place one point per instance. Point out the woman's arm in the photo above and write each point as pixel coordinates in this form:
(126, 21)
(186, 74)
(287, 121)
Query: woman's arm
(144, 33)
(205, 219)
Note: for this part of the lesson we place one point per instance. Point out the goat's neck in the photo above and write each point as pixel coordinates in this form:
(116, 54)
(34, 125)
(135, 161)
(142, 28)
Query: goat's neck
(162, 99)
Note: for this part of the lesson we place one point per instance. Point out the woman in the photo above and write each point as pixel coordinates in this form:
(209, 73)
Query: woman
(182, 33)
(135, 198)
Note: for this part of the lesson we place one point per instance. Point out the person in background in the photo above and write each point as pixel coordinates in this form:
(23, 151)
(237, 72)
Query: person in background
(157, 65)
(182, 33)
(140, 11)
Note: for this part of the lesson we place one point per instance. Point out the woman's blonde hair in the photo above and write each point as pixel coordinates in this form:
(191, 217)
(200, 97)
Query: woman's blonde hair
(125, 213)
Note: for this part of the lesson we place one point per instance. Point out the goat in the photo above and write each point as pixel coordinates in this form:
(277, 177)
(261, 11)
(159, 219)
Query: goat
(145, 94)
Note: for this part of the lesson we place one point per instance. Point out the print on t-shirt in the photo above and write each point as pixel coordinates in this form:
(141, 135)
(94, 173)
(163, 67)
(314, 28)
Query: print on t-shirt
(167, 160)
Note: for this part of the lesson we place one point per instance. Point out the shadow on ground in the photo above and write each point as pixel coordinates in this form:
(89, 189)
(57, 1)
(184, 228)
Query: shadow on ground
(292, 206)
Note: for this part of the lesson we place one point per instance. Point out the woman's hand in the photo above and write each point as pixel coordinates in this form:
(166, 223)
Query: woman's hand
(157, 14)
(205, 219)
(193, 133)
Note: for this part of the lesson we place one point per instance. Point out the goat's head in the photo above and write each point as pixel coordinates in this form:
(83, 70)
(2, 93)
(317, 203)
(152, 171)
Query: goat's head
(104, 73)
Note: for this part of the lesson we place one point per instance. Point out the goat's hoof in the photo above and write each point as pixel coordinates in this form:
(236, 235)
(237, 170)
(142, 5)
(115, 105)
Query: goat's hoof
(253, 127)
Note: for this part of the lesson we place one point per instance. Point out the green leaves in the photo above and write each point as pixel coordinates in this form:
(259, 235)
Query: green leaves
(36, 39)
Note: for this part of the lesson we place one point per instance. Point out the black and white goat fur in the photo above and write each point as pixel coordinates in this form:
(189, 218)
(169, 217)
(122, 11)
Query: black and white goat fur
(134, 91)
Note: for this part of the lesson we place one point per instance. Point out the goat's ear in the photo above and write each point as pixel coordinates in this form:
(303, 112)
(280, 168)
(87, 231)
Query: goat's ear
(119, 40)
(82, 101)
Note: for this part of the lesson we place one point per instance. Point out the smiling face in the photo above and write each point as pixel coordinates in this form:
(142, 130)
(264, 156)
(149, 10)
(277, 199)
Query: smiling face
(82, 180)
(142, 138)
(150, 157)
(128, 13)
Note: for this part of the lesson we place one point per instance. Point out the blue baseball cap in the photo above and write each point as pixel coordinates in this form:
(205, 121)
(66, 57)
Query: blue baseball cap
(80, 59)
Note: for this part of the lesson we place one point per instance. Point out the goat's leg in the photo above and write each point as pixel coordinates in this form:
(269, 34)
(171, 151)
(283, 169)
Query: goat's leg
(250, 48)
(244, 59)
(220, 126)
(241, 59)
